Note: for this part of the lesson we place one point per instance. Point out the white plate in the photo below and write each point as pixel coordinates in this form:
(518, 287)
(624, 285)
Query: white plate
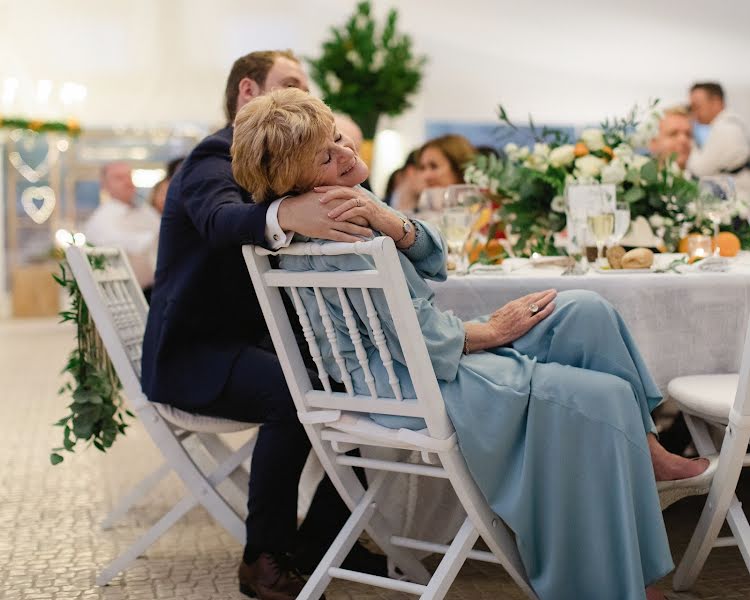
(623, 271)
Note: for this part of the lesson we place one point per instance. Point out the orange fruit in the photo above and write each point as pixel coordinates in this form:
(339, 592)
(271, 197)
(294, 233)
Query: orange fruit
(607, 150)
(580, 150)
(728, 243)
(473, 249)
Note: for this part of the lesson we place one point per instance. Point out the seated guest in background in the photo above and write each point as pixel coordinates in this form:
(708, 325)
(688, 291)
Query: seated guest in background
(207, 349)
(442, 160)
(404, 185)
(121, 220)
(549, 395)
(675, 136)
(159, 192)
(727, 147)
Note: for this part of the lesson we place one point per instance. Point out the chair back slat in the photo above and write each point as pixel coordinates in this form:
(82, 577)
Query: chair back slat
(312, 344)
(385, 354)
(353, 287)
(118, 309)
(331, 335)
(742, 398)
(356, 337)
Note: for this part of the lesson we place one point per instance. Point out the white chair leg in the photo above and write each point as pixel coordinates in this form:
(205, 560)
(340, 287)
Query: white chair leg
(139, 491)
(236, 486)
(720, 498)
(452, 562)
(142, 543)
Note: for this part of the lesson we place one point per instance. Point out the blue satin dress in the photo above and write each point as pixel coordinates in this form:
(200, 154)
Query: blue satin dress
(553, 429)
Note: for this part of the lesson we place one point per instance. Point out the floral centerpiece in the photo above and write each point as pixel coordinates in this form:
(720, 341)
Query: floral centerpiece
(532, 180)
(366, 71)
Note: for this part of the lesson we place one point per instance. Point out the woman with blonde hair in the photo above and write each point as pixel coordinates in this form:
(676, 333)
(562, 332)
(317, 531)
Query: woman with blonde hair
(549, 396)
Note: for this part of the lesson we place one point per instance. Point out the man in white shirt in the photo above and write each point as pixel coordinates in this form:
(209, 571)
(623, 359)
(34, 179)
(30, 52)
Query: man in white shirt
(120, 221)
(727, 147)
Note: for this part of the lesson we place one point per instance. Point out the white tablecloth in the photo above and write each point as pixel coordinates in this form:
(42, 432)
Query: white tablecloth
(683, 323)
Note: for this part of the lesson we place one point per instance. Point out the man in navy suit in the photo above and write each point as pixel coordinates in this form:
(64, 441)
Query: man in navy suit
(207, 348)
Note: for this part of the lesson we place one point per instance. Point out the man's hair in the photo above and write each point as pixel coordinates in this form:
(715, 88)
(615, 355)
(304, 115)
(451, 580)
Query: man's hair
(255, 66)
(276, 138)
(711, 88)
(456, 148)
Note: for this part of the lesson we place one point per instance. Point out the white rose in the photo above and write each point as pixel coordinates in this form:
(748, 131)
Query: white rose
(656, 221)
(623, 152)
(562, 156)
(511, 151)
(538, 162)
(589, 165)
(523, 152)
(541, 150)
(333, 82)
(593, 138)
(614, 172)
(558, 204)
(638, 161)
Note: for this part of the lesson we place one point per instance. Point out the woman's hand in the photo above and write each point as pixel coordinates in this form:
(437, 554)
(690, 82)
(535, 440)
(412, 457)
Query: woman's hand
(356, 206)
(518, 316)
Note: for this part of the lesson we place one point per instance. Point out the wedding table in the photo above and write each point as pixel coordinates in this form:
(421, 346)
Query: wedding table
(692, 322)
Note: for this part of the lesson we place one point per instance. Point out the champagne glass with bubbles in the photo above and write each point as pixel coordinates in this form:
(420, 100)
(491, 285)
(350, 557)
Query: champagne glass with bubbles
(600, 218)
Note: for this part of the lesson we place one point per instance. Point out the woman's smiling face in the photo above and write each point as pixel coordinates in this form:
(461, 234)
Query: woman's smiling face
(338, 163)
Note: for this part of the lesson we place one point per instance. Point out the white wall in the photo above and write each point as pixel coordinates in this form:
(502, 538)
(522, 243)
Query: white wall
(153, 62)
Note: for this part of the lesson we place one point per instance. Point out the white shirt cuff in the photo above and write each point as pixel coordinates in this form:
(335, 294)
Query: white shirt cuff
(276, 237)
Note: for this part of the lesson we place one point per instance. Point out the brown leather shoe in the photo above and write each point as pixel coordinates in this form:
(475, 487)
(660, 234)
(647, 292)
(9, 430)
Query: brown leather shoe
(270, 577)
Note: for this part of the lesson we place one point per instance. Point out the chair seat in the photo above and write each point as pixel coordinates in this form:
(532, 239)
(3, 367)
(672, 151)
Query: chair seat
(707, 396)
(200, 423)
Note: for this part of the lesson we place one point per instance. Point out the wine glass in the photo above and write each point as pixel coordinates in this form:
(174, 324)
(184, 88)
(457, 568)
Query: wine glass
(622, 221)
(716, 198)
(600, 218)
(456, 217)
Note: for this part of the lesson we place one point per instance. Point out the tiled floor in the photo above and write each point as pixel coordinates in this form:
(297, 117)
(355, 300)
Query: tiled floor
(51, 545)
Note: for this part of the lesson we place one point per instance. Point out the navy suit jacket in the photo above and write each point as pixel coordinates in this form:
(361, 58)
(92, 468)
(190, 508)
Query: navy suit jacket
(203, 310)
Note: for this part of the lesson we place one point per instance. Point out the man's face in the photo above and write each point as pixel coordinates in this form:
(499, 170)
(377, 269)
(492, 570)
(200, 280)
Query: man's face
(704, 107)
(285, 73)
(675, 137)
(118, 182)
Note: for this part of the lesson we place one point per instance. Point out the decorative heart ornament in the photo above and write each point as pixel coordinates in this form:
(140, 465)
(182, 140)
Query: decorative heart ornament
(28, 142)
(38, 203)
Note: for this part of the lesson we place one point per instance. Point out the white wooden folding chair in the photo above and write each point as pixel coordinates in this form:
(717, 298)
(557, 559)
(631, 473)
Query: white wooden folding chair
(185, 440)
(717, 401)
(337, 422)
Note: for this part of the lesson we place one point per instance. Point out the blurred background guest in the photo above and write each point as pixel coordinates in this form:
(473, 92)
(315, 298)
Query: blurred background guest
(675, 136)
(404, 185)
(442, 160)
(727, 146)
(159, 192)
(121, 220)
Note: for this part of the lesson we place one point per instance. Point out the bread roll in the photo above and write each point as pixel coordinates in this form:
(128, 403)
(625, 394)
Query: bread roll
(638, 258)
(614, 256)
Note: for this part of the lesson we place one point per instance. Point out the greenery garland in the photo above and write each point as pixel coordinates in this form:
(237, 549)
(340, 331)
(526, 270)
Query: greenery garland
(70, 127)
(365, 75)
(97, 413)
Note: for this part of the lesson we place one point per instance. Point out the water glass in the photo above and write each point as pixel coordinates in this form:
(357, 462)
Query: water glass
(716, 200)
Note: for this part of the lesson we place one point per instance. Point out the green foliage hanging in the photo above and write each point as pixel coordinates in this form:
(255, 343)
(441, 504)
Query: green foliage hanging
(97, 413)
(364, 72)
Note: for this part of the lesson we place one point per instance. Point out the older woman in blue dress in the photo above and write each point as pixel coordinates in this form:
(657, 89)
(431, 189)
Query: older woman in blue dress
(549, 395)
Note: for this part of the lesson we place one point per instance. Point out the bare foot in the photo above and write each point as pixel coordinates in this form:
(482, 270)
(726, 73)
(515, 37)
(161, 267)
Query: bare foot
(653, 594)
(670, 467)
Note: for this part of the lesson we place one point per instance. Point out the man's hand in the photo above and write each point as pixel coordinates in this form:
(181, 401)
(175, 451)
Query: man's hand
(307, 214)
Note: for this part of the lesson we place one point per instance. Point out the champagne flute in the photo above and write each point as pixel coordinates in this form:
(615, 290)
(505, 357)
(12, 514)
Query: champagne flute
(717, 200)
(600, 218)
(622, 221)
(458, 204)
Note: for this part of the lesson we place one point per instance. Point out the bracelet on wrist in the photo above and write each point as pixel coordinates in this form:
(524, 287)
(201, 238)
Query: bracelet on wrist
(466, 343)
